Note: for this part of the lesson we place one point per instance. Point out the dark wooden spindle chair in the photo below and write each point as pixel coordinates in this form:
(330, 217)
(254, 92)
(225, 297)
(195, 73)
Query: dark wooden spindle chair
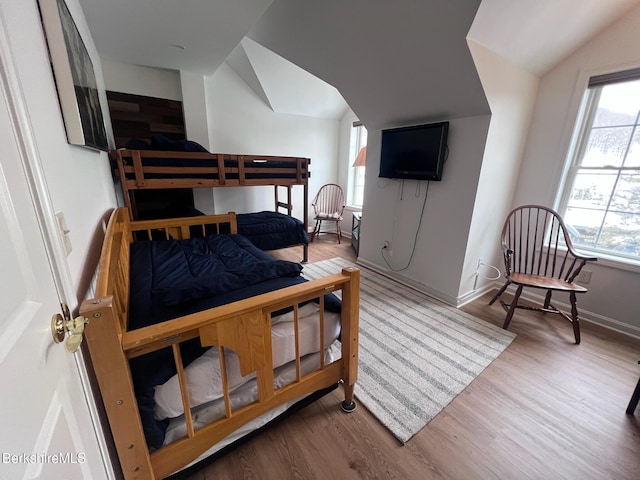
(538, 253)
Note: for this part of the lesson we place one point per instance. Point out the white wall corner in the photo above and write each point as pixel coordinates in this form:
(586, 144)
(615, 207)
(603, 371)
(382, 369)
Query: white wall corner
(194, 105)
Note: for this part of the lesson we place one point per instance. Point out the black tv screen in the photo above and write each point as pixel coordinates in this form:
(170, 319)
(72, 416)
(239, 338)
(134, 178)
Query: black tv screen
(417, 152)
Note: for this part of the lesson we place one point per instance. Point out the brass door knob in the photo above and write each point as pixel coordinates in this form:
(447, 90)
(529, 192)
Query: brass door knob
(63, 324)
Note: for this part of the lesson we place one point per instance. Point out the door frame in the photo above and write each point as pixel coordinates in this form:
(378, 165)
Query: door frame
(43, 206)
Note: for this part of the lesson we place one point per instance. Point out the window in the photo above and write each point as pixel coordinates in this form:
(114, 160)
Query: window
(355, 193)
(601, 201)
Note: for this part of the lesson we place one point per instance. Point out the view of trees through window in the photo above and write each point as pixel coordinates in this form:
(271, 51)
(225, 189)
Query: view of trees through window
(602, 210)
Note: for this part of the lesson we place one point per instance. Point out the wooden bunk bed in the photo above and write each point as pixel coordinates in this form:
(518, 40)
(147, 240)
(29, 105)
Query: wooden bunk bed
(244, 326)
(140, 170)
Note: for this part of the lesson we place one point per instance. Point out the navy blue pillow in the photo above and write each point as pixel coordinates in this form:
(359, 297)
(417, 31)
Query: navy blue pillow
(137, 144)
(160, 142)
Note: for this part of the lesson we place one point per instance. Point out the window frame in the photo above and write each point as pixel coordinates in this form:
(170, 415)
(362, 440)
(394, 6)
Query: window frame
(583, 126)
(355, 144)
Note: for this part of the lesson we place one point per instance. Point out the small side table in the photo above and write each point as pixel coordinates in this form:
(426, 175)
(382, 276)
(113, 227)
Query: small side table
(355, 231)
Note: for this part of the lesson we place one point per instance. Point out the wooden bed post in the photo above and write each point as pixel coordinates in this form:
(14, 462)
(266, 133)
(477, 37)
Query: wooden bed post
(114, 378)
(305, 255)
(243, 325)
(349, 339)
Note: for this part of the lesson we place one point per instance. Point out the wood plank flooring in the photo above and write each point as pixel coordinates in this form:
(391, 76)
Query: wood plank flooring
(545, 409)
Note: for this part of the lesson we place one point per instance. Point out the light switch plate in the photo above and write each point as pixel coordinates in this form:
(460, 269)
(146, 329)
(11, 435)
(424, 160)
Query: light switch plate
(65, 233)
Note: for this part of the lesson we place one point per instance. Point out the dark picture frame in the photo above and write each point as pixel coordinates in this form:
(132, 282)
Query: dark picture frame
(74, 77)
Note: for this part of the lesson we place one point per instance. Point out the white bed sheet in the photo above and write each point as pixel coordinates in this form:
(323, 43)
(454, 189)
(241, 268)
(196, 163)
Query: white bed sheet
(244, 395)
(203, 377)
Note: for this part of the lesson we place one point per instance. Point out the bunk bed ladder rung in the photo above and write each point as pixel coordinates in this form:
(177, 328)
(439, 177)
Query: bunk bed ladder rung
(288, 205)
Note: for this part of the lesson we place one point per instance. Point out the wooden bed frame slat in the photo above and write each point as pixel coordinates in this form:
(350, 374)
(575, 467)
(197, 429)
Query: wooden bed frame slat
(130, 162)
(184, 392)
(244, 326)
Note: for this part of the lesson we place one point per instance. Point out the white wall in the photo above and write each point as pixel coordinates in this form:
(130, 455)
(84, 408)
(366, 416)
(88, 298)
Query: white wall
(223, 114)
(79, 179)
(344, 150)
(511, 92)
(194, 104)
(240, 122)
(613, 292)
(197, 128)
(392, 212)
(140, 80)
(345, 171)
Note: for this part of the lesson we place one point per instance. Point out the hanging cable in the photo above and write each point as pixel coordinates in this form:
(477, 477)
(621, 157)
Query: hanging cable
(415, 238)
(490, 266)
(478, 274)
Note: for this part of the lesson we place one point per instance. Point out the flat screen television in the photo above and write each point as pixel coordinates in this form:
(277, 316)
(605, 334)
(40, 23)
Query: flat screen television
(417, 152)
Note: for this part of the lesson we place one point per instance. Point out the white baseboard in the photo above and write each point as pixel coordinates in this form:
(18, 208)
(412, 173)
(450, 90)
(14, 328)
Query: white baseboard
(527, 294)
(585, 315)
(408, 282)
(475, 294)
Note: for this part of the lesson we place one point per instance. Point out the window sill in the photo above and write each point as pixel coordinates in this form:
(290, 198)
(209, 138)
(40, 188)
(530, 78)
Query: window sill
(608, 261)
(615, 262)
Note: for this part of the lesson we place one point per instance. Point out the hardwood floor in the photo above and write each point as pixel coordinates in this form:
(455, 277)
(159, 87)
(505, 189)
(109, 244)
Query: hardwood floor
(545, 409)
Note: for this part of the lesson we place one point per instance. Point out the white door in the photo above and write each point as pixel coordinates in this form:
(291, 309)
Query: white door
(46, 430)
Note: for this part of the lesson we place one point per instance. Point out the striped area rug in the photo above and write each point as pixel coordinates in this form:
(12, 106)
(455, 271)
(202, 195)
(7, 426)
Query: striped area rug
(416, 354)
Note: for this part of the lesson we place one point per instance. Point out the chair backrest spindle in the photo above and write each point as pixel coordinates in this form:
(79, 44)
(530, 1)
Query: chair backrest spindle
(536, 242)
(329, 200)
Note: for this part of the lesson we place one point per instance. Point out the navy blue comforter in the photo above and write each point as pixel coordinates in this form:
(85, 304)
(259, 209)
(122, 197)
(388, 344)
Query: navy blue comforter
(172, 278)
(272, 230)
(179, 272)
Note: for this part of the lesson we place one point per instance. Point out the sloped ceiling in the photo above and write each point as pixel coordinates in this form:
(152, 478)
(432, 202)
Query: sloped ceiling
(283, 86)
(383, 57)
(537, 35)
(394, 65)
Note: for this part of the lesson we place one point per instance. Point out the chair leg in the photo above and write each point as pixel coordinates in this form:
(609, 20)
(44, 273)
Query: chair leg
(635, 397)
(574, 317)
(512, 309)
(500, 292)
(316, 230)
(338, 231)
(547, 299)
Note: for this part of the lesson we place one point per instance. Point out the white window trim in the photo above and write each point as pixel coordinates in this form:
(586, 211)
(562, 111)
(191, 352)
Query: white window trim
(352, 173)
(574, 135)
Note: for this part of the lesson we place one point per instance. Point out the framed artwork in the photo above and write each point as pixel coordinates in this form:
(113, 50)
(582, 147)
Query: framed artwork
(74, 76)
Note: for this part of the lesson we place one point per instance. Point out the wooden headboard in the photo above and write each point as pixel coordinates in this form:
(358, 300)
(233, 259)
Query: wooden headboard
(137, 116)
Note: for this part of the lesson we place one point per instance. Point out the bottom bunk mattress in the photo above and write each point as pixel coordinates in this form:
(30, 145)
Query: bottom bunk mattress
(247, 393)
(204, 378)
(172, 278)
(266, 230)
(272, 230)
